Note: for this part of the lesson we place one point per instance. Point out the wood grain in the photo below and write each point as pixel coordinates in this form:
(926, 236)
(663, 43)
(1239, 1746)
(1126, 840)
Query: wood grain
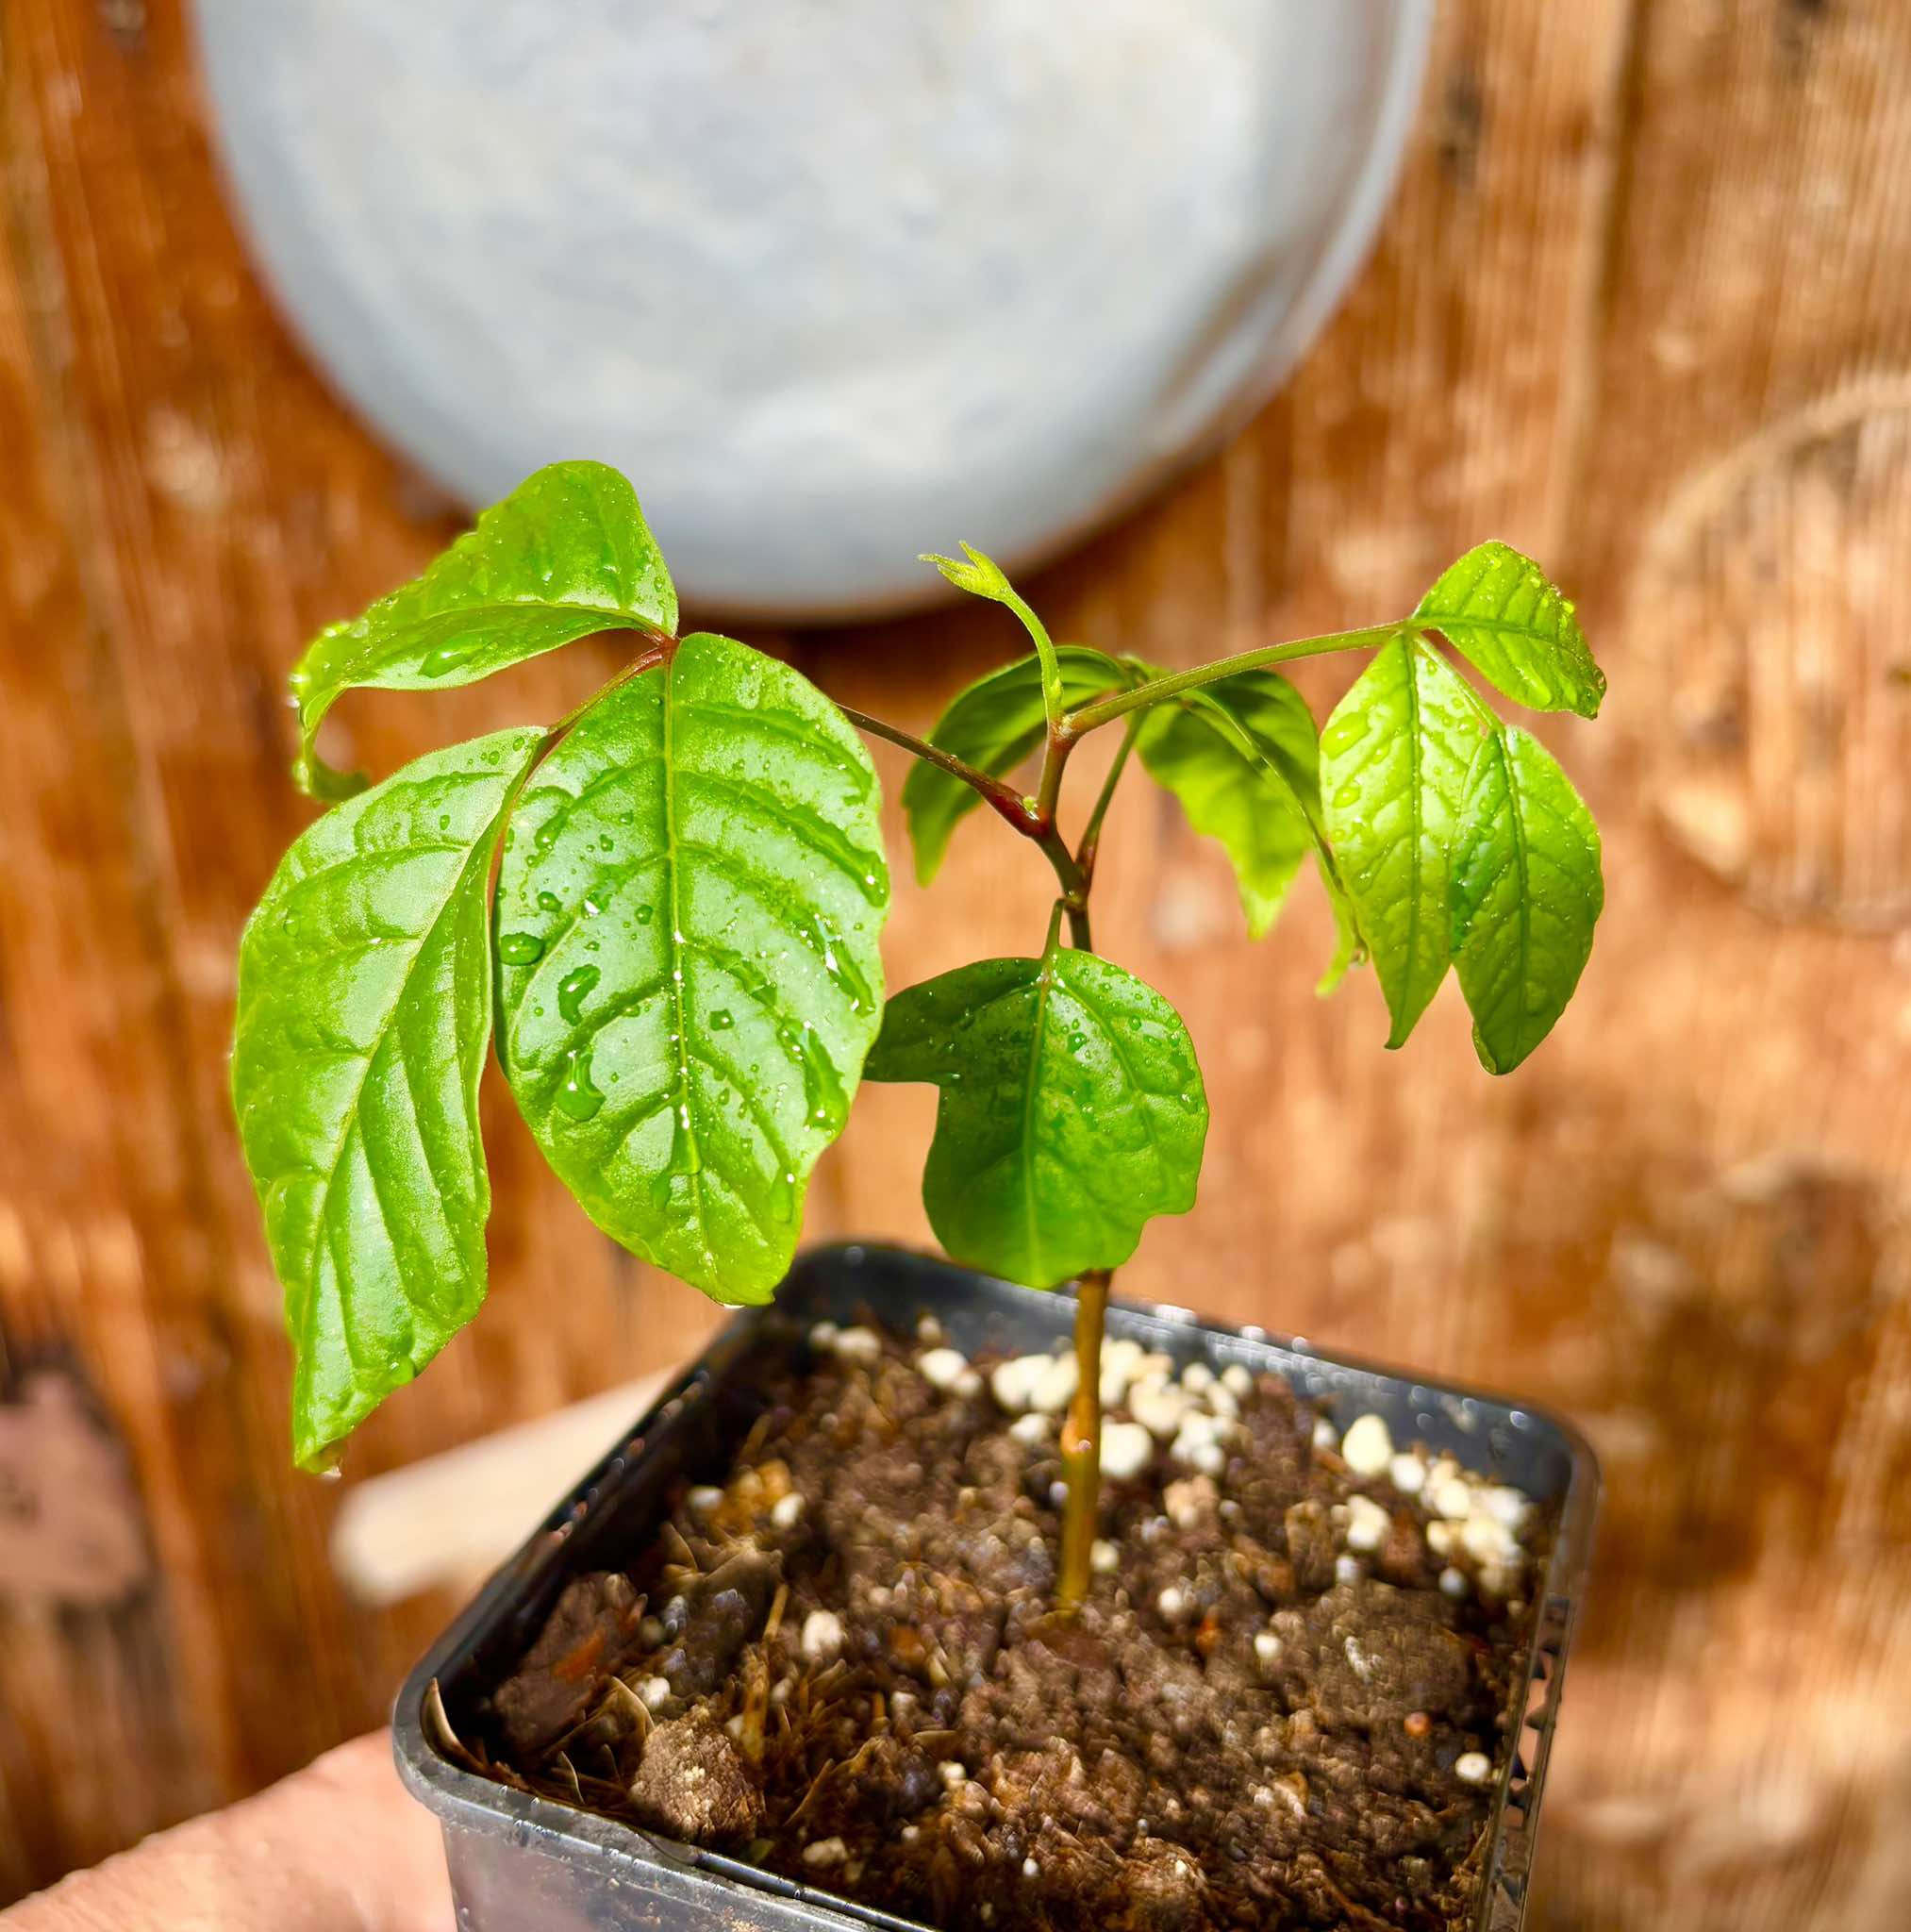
(1643, 306)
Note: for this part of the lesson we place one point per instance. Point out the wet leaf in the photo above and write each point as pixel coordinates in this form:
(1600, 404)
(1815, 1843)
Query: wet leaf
(1498, 610)
(1527, 893)
(364, 1010)
(688, 910)
(1394, 760)
(566, 554)
(1072, 1112)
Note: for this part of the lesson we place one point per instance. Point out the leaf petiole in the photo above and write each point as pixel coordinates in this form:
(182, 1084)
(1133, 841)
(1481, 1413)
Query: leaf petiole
(1105, 710)
(1006, 799)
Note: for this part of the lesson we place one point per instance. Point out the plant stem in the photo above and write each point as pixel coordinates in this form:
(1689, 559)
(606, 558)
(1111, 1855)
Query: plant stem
(1090, 842)
(1082, 1446)
(1118, 704)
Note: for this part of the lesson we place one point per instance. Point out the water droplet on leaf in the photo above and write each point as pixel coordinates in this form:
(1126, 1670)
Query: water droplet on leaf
(447, 657)
(578, 1097)
(573, 990)
(519, 948)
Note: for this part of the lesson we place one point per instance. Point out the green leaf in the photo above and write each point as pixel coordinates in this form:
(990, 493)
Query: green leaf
(1241, 757)
(1072, 1110)
(364, 1008)
(1526, 894)
(994, 725)
(687, 915)
(565, 555)
(1394, 760)
(980, 576)
(1248, 762)
(1498, 610)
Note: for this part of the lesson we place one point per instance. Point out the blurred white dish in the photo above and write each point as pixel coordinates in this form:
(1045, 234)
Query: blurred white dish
(833, 281)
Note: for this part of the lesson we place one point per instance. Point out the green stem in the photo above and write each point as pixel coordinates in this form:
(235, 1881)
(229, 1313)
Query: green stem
(1105, 710)
(1082, 1446)
(1051, 702)
(1090, 842)
(1075, 899)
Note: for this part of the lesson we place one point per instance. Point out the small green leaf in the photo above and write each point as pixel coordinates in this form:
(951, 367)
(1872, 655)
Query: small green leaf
(364, 1008)
(1526, 894)
(1394, 761)
(994, 725)
(1241, 757)
(980, 576)
(565, 555)
(1498, 610)
(1072, 1110)
(688, 912)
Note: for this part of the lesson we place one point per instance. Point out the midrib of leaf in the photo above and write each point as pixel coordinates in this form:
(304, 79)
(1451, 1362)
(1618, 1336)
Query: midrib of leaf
(695, 1175)
(1417, 823)
(1520, 867)
(1504, 627)
(1044, 984)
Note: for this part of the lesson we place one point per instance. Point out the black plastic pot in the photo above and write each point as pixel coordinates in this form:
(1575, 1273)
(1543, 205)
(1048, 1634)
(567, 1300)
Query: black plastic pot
(524, 1864)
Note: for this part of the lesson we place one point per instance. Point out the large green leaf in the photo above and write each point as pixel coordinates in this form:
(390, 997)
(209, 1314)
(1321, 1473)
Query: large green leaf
(1393, 773)
(1241, 757)
(364, 1008)
(994, 725)
(1072, 1110)
(1498, 610)
(566, 554)
(1526, 893)
(687, 915)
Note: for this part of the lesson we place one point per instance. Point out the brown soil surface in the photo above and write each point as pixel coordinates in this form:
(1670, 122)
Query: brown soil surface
(844, 1667)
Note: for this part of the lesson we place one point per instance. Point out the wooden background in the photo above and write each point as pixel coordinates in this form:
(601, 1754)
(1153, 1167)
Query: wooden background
(1643, 307)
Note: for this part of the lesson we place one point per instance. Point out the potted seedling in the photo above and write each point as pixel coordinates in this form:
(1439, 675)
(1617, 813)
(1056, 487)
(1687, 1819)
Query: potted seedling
(902, 1607)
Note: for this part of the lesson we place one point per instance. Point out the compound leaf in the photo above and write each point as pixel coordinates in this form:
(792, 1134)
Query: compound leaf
(687, 916)
(1527, 891)
(565, 555)
(1072, 1112)
(364, 1010)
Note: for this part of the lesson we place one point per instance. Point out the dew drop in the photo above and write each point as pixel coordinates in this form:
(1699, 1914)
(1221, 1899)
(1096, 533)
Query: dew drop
(723, 1019)
(519, 948)
(549, 902)
(1341, 734)
(578, 1097)
(447, 657)
(573, 990)
(1349, 794)
(645, 914)
(783, 1197)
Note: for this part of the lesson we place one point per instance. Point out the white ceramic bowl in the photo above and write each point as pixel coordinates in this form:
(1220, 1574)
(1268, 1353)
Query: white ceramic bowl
(833, 281)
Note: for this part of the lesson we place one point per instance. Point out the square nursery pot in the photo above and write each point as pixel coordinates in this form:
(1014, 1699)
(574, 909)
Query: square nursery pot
(521, 1863)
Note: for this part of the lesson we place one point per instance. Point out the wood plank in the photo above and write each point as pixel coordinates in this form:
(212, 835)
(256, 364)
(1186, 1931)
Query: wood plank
(1644, 307)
